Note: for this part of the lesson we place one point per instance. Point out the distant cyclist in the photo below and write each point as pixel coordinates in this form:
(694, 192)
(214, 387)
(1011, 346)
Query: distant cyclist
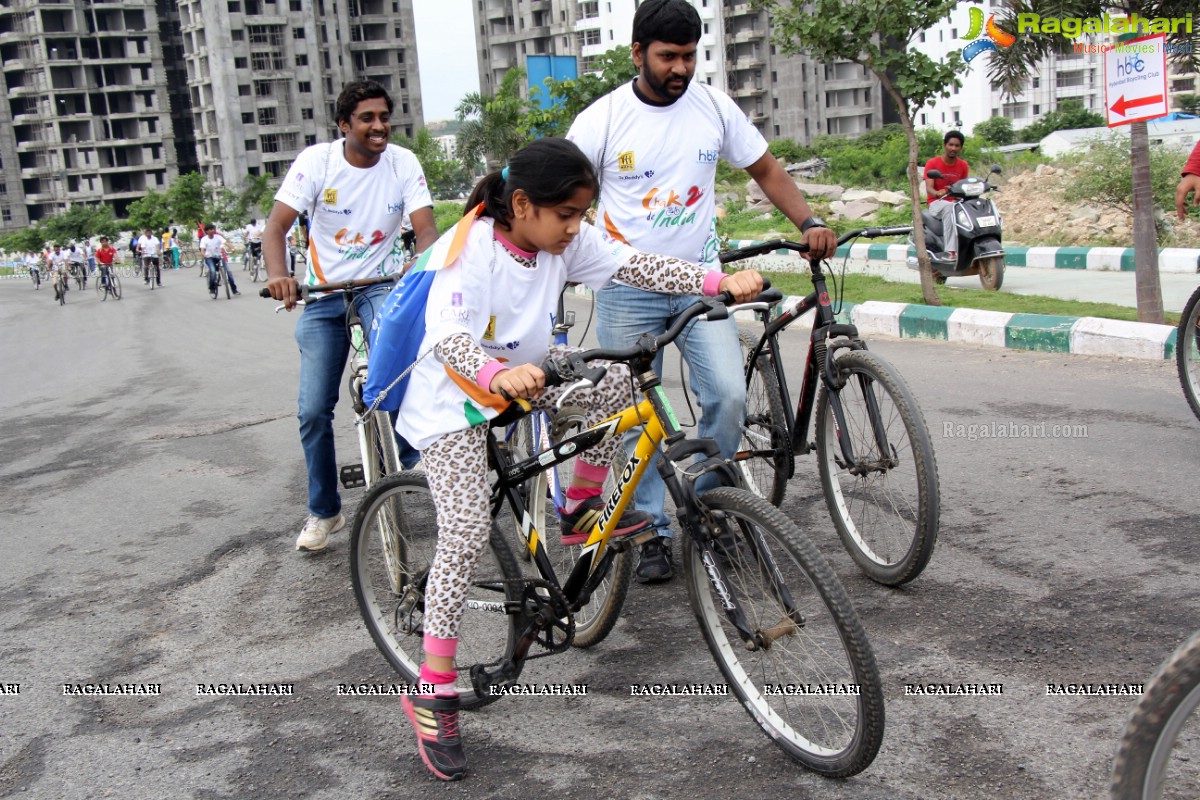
(212, 250)
(56, 259)
(34, 264)
(77, 260)
(148, 248)
(106, 254)
(253, 234)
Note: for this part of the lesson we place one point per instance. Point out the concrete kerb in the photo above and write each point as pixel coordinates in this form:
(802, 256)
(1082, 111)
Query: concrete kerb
(1117, 259)
(1091, 336)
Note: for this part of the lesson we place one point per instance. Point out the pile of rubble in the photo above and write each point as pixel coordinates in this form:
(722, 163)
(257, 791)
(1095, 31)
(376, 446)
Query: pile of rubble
(1031, 203)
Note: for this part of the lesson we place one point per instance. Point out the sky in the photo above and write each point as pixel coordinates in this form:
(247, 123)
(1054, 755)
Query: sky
(446, 54)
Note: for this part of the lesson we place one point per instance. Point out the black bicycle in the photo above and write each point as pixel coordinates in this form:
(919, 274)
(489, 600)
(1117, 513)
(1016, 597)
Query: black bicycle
(874, 455)
(107, 283)
(221, 279)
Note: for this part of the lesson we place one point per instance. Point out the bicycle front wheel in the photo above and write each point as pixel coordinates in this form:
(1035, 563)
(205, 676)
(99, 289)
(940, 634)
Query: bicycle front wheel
(101, 287)
(885, 505)
(255, 264)
(227, 280)
(1187, 352)
(765, 452)
(392, 545)
(810, 682)
(1157, 756)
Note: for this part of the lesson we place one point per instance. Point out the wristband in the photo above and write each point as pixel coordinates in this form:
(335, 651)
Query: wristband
(812, 222)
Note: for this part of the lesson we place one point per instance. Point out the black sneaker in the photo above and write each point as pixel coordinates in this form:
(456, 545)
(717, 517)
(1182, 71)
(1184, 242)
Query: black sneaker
(577, 525)
(435, 719)
(655, 565)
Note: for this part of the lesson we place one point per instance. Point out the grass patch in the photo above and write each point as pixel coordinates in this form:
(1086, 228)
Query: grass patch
(861, 288)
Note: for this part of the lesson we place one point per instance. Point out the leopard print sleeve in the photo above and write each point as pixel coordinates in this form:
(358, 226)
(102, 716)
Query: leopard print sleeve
(462, 354)
(662, 274)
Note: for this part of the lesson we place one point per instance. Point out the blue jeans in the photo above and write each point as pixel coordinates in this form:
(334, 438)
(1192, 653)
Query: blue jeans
(714, 358)
(324, 347)
(214, 263)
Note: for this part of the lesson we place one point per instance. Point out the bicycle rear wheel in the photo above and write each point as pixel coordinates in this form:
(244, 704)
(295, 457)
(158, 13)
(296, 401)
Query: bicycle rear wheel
(595, 620)
(115, 284)
(885, 506)
(392, 545)
(1158, 754)
(101, 288)
(1187, 352)
(227, 279)
(811, 683)
(255, 264)
(765, 452)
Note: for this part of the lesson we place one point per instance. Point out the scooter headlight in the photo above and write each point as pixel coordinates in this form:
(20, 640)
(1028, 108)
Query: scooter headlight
(973, 189)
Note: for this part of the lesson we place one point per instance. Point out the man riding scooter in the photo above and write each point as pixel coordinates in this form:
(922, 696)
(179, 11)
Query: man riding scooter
(937, 191)
(962, 225)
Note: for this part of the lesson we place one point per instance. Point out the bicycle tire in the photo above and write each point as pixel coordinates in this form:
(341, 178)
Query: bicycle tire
(765, 426)
(114, 284)
(384, 577)
(1187, 352)
(594, 621)
(1141, 764)
(888, 518)
(228, 281)
(254, 268)
(101, 288)
(833, 734)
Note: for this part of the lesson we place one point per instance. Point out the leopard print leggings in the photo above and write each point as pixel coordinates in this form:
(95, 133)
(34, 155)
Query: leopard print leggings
(456, 468)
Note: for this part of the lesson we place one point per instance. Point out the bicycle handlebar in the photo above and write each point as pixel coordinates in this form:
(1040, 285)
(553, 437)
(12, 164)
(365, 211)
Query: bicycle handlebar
(782, 244)
(305, 291)
(573, 367)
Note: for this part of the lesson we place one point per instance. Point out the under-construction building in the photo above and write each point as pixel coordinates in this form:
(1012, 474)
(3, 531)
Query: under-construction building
(105, 101)
(791, 97)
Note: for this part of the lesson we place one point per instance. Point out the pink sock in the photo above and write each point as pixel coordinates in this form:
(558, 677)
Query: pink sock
(442, 682)
(577, 494)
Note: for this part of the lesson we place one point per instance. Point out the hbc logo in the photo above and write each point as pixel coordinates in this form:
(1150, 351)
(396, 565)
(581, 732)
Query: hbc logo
(707, 157)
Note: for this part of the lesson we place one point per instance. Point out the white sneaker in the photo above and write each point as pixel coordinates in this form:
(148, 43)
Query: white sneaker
(315, 533)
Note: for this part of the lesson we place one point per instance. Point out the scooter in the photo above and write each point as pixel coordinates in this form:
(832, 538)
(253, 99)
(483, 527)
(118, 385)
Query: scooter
(978, 220)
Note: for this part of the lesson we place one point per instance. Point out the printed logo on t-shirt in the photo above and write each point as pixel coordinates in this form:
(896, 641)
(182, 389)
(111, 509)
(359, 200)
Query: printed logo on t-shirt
(625, 161)
(456, 299)
(706, 156)
(396, 208)
(330, 197)
(489, 335)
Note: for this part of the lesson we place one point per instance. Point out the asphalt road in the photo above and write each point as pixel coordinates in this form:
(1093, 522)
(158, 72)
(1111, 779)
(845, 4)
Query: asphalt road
(151, 488)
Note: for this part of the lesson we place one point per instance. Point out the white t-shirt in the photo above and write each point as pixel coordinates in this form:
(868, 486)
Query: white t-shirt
(76, 255)
(57, 259)
(503, 305)
(254, 232)
(211, 246)
(660, 166)
(354, 231)
(149, 245)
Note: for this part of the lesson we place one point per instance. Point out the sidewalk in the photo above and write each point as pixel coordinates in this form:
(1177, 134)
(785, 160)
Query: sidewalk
(1101, 275)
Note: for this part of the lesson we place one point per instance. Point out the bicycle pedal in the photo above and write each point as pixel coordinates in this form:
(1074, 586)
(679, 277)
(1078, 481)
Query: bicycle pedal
(640, 539)
(352, 476)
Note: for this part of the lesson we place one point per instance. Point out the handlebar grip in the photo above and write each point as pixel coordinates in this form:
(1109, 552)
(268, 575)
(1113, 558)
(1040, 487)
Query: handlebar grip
(264, 292)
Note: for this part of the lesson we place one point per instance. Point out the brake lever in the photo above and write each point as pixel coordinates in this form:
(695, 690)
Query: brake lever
(582, 383)
(283, 307)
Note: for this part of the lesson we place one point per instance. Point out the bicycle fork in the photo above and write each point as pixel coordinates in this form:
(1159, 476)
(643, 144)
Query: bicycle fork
(886, 457)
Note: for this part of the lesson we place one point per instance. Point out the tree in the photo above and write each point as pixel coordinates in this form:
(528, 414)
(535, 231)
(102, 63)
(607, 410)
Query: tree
(1188, 103)
(569, 97)
(1070, 115)
(447, 177)
(829, 30)
(256, 197)
(150, 212)
(996, 131)
(1010, 68)
(187, 198)
(31, 239)
(80, 222)
(491, 126)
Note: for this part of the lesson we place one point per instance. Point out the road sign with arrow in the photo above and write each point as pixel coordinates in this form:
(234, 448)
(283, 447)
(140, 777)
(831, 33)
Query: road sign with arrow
(1135, 80)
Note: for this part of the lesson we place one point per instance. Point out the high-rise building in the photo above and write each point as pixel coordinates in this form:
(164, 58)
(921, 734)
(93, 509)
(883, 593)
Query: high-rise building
(109, 99)
(784, 96)
(85, 116)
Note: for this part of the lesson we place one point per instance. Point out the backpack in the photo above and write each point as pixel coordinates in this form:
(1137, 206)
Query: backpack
(399, 326)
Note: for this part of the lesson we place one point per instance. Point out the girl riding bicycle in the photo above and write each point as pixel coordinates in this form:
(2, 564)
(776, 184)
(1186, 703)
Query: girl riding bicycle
(488, 320)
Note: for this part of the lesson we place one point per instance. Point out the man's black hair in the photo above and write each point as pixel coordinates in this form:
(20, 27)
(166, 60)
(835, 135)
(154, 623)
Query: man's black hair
(954, 135)
(670, 21)
(354, 93)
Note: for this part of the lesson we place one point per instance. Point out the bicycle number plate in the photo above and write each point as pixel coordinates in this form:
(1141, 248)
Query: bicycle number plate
(985, 222)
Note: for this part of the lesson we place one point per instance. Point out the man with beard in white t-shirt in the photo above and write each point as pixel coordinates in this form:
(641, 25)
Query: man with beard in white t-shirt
(356, 191)
(655, 143)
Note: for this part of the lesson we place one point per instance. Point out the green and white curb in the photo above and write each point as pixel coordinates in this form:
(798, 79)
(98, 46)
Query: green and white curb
(1041, 332)
(1114, 259)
